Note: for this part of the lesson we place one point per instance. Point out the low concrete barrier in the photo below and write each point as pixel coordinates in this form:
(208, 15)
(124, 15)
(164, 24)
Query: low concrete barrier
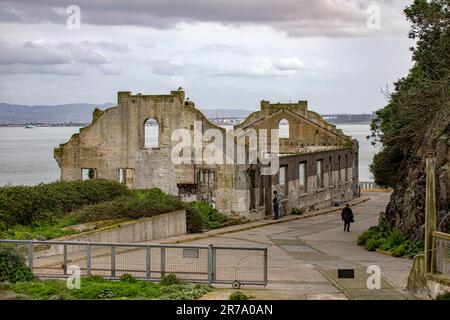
(146, 229)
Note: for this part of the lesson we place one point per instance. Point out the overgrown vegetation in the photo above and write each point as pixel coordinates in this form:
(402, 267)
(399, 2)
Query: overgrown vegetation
(95, 287)
(238, 295)
(137, 204)
(379, 237)
(445, 296)
(208, 217)
(416, 120)
(297, 211)
(45, 211)
(49, 202)
(12, 266)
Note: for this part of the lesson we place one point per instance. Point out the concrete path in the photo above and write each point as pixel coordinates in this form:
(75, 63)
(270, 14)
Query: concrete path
(304, 256)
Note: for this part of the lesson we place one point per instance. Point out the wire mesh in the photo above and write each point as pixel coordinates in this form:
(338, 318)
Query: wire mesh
(151, 262)
(243, 265)
(442, 256)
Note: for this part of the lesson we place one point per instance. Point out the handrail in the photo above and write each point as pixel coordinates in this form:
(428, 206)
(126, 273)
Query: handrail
(441, 235)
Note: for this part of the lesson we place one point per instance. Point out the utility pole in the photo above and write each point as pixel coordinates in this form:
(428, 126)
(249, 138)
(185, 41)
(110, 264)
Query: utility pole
(430, 210)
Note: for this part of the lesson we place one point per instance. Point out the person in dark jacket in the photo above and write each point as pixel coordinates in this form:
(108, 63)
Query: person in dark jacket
(347, 217)
(276, 205)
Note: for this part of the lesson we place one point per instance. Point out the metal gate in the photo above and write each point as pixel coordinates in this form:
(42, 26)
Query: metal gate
(192, 263)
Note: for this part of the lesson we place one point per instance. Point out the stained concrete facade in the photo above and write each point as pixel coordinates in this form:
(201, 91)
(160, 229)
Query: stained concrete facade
(113, 147)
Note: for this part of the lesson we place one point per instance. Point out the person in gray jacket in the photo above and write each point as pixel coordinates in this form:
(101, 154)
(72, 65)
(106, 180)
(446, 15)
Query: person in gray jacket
(276, 205)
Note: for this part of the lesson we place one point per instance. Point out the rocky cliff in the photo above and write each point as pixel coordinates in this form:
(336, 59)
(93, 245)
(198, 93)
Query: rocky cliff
(406, 209)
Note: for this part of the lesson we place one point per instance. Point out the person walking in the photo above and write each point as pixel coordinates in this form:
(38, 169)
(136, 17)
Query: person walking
(347, 217)
(276, 205)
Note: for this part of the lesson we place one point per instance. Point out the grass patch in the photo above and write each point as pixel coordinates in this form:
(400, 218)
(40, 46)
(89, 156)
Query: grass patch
(97, 288)
(379, 237)
(238, 295)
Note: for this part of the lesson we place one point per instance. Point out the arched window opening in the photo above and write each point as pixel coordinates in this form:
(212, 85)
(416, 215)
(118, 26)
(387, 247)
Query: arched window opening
(283, 128)
(151, 133)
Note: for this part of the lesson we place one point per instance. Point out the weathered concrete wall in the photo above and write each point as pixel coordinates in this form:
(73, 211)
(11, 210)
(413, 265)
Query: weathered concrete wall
(308, 132)
(438, 285)
(115, 141)
(142, 230)
(311, 138)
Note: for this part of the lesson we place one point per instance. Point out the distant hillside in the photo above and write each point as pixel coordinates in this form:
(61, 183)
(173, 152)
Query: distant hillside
(82, 113)
(59, 114)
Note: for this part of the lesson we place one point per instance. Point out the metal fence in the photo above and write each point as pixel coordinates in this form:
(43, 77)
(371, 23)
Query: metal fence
(192, 263)
(367, 185)
(442, 253)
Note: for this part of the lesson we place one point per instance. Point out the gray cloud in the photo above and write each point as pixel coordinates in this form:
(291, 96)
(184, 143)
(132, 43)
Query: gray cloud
(333, 18)
(57, 69)
(64, 58)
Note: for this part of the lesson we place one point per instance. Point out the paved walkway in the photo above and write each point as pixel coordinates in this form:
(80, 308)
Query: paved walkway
(304, 256)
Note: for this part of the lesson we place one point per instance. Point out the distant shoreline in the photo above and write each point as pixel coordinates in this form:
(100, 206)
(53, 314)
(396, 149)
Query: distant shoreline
(62, 125)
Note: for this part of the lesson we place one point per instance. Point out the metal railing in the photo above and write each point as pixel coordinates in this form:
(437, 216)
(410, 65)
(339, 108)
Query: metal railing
(441, 246)
(367, 185)
(192, 263)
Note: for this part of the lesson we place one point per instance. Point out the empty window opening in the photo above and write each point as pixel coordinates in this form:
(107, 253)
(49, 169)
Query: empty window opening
(151, 133)
(282, 176)
(330, 172)
(121, 175)
(302, 177)
(283, 128)
(346, 168)
(320, 174)
(339, 169)
(88, 173)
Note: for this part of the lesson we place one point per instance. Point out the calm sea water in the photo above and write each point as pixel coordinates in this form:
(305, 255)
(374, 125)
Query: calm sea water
(26, 155)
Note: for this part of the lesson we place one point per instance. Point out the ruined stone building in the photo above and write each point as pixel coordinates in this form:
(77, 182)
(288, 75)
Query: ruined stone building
(318, 163)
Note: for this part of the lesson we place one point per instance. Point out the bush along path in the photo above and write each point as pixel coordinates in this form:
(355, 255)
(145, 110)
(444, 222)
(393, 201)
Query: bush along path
(392, 242)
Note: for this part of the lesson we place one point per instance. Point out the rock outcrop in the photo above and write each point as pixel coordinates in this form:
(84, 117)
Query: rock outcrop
(406, 209)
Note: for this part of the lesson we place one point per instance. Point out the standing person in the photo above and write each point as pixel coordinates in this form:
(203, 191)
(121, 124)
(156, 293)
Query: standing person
(347, 217)
(276, 205)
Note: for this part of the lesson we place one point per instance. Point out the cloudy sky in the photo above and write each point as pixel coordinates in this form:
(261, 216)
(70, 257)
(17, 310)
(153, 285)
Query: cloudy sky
(338, 54)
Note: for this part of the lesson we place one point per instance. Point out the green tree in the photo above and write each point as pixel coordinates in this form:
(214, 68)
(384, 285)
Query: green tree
(420, 102)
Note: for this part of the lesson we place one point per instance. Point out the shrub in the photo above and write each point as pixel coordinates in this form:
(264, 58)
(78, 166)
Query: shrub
(128, 278)
(141, 203)
(12, 267)
(210, 218)
(184, 291)
(193, 220)
(169, 280)
(238, 295)
(369, 234)
(297, 211)
(445, 296)
(373, 244)
(395, 239)
(47, 202)
(380, 238)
